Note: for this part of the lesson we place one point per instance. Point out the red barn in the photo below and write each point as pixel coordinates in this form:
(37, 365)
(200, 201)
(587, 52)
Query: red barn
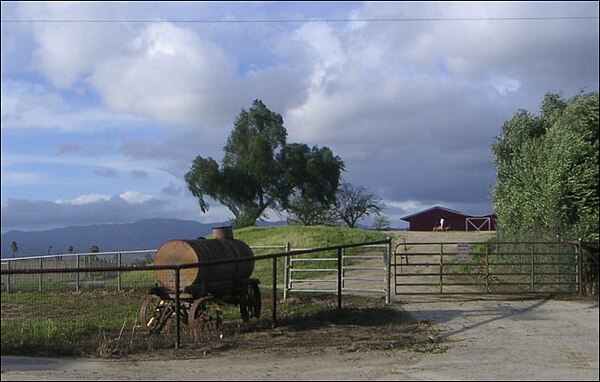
(449, 220)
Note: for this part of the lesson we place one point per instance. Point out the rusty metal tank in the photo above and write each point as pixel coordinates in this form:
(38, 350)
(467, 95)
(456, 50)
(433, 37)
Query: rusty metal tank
(224, 247)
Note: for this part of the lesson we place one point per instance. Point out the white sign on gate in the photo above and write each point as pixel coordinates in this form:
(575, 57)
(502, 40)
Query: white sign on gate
(462, 250)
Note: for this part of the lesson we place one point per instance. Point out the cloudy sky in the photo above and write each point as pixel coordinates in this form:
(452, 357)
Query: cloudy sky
(105, 105)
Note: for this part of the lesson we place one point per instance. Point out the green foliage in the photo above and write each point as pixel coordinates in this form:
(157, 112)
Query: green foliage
(260, 170)
(547, 171)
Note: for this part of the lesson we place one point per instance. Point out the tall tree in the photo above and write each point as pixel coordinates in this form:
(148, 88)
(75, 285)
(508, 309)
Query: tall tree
(260, 170)
(547, 170)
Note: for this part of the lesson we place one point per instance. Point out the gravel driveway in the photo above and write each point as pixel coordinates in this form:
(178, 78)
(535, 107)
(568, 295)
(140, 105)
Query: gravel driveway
(485, 339)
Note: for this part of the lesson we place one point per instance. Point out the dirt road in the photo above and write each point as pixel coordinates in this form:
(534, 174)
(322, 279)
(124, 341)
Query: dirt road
(462, 338)
(486, 339)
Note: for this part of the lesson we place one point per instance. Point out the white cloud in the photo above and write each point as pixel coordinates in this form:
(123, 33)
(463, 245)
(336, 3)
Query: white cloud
(85, 199)
(171, 75)
(67, 52)
(135, 197)
(504, 84)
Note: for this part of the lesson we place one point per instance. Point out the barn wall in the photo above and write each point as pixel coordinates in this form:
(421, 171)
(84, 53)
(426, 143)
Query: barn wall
(429, 219)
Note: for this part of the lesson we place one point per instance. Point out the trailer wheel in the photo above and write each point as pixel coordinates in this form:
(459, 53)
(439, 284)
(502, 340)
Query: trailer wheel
(250, 303)
(200, 313)
(156, 314)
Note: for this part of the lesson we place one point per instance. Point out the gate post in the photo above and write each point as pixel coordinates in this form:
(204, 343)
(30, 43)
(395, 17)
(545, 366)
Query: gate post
(487, 268)
(339, 278)
(388, 271)
(286, 277)
(274, 310)
(532, 267)
(580, 267)
(442, 268)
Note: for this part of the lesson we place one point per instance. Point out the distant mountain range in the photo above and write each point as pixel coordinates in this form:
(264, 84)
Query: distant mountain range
(145, 234)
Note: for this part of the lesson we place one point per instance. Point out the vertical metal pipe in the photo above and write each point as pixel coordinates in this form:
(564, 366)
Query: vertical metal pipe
(532, 267)
(339, 278)
(487, 267)
(8, 276)
(388, 271)
(286, 281)
(77, 274)
(274, 309)
(40, 276)
(119, 271)
(177, 321)
(580, 267)
(441, 268)
(343, 268)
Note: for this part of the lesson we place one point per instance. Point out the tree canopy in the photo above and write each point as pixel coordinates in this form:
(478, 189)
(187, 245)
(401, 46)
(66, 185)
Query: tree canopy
(260, 170)
(547, 170)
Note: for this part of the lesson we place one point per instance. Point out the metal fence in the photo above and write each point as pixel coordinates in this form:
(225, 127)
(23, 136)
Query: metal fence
(488, 268)
(76, 275)
(100, 277)
(364, 269)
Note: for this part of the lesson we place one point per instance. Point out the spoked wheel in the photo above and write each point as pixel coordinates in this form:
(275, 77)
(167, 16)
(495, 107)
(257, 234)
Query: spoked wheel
(156, 314)
(250, 303)
(202, 312)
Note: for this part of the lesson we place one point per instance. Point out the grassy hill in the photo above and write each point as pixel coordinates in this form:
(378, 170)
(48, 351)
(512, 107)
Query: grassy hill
(299, 237)
(305, 237)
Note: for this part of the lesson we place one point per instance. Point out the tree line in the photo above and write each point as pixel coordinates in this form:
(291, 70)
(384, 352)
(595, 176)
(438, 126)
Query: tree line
(547, 170)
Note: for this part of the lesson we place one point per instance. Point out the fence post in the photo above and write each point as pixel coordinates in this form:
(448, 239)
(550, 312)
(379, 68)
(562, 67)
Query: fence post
(8, 276)
(339, 278)
(343, 268)
(177, 321)
(274, 309)
(119, 272)
(40, 276)
(77, 274)
(286, 277)
(532, 267)
(580, 267)
(487, 267)
(442, 268)
(388, 271)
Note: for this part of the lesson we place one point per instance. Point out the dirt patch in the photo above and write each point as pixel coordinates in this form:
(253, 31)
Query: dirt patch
(364, 324)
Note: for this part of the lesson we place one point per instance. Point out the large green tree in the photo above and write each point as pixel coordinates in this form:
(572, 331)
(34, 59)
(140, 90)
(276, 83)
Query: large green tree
(547, 170)
(260, 170)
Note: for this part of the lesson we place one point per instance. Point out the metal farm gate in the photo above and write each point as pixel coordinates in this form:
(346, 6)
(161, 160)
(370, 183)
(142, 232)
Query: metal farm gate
(363, 269)
(487, 268)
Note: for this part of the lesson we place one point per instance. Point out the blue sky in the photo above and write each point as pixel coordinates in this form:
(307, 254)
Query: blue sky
(105, 105)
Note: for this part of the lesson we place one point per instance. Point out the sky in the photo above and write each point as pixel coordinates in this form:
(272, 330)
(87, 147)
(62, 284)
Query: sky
(106, 104)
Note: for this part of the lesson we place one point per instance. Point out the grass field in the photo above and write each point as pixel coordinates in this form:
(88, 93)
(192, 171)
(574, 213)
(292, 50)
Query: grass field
(74, 323)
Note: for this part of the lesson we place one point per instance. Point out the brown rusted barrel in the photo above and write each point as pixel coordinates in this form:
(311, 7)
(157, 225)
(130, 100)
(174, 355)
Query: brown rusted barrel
(179, 252)
(223, 233)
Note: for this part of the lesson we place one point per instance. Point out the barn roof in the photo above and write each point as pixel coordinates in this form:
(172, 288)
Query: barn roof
(407, 218)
